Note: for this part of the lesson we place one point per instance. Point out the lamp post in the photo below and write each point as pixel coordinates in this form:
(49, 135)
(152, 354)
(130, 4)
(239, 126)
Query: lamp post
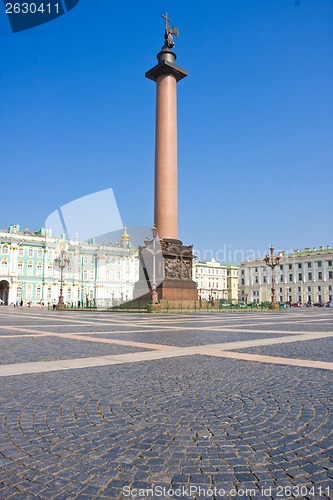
(272, 261)
(61, 261)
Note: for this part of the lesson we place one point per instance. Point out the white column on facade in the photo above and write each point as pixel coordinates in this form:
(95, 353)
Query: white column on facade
(325, 270)
(12, 258)
(12, 292)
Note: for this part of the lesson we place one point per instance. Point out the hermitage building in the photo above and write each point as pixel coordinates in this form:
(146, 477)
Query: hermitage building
(97, 275)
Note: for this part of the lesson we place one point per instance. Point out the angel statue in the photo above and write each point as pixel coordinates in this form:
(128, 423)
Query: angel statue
(169, 41)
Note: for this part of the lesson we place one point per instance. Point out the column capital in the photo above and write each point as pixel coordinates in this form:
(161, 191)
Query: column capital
(166, 66)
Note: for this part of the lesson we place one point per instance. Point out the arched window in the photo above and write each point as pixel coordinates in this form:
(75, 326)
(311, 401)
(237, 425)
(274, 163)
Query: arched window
(29, 292)
(30, 252)
(5, 249)
(40, 253)
(30, 268)
(49, 293)
(19, 292)
(4, 267)
(39, 269)
(38, 293)
(20, 268)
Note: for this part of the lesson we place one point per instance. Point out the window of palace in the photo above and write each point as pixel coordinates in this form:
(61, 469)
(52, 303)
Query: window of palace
(21, 251)
(5, 249)
(4, 266)
(30, 252)
(40, 253)
(20, 268)
(30, 268)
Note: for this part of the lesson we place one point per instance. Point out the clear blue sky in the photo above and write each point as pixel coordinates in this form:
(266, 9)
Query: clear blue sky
(255, 118)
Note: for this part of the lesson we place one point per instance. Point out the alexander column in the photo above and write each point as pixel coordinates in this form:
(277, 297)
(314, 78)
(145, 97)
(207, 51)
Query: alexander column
(177, 283)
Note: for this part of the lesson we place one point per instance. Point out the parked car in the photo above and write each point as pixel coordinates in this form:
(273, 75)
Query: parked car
(309, 304)
(329, 304)
(297, 304)
(319, 304)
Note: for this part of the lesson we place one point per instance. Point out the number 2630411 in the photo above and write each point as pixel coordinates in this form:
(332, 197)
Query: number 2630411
(32, 8)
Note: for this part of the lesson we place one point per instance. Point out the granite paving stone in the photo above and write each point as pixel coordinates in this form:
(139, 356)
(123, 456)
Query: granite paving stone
(50, 348)
(189, 338)
(193, 420)
(317, 349)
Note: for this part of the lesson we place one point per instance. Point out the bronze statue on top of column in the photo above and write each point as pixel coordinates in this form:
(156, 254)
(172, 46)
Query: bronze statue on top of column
(169, 41)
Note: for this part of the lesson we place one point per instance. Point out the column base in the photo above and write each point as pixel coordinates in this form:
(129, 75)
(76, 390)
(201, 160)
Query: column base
(175, 282)
(60, 307)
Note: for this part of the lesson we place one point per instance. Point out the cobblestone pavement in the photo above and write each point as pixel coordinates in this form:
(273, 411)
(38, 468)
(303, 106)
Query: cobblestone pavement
(101, 405)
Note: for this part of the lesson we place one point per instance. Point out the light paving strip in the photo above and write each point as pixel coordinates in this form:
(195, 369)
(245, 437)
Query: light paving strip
(168, 352)
(308, 363)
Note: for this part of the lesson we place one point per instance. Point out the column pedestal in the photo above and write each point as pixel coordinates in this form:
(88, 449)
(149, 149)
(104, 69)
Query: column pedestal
(173, 273)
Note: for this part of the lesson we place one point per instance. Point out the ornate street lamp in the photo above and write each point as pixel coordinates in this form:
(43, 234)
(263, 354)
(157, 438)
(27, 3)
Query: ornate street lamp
(61, 261)
(272, 261)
